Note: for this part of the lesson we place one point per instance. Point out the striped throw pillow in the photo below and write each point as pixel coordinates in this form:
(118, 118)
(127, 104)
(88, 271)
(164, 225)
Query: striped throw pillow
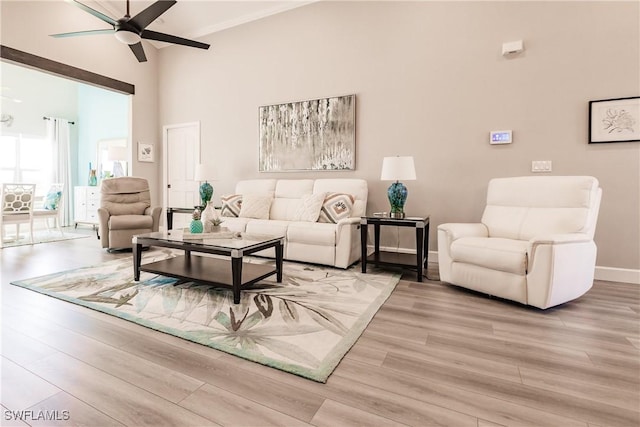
(231, 205)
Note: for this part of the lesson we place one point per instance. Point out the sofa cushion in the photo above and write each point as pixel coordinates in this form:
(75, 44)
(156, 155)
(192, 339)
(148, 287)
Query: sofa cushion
(284, 209)
(493, 253)
(288, 198)
(293, 188)
(256, 186)
(309, 208)
(231, 205)
(269, 227)
(130, 222)
(235, 224)
(317, 233)
(523, 207)
(255, 206)
(335, 207)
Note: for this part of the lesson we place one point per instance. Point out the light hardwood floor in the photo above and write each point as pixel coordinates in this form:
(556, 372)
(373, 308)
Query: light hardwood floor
(433, 355)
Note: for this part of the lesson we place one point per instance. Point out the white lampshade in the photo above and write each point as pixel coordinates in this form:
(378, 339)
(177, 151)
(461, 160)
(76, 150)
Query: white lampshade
(127, 37)
(204, 173)
(398, 169)
(116, 154)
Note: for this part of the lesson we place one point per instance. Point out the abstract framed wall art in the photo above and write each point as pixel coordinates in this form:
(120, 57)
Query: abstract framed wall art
(313, 135)
(614, 120)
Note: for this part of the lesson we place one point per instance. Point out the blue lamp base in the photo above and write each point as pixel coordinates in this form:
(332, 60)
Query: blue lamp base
(397, 194)
(206, 192)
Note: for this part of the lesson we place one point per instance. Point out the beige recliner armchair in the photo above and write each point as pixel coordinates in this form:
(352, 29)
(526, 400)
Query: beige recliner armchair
(533, 245)
(125, 210)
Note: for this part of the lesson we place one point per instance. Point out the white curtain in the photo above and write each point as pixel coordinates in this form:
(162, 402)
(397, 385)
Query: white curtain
(59, 133)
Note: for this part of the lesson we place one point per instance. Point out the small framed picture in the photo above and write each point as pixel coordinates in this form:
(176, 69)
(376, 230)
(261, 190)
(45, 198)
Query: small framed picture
(145, 152)
(614, 120)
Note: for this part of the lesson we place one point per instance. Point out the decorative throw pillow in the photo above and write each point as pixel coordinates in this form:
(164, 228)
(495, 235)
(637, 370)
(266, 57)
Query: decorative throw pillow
(231, 205)
(52, 199)
(336, 206)
(309, 210)
(255, 206)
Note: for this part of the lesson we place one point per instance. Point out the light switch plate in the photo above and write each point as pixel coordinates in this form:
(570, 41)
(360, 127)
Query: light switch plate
(541, 166)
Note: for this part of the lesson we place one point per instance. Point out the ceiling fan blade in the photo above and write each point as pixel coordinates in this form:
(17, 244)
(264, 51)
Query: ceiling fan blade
(93, 12)
(150, 14)
(138, 51)
(161, 37)
(83, 33)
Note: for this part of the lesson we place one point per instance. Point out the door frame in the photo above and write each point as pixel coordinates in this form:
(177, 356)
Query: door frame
(165, 157)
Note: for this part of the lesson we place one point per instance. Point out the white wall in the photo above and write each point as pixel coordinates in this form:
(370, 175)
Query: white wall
(430, 82)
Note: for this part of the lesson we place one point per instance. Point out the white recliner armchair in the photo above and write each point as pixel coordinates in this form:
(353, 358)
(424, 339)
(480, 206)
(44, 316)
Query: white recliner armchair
(533, 245)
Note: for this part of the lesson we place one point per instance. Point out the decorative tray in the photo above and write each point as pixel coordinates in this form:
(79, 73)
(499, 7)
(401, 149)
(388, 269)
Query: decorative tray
(223, 234)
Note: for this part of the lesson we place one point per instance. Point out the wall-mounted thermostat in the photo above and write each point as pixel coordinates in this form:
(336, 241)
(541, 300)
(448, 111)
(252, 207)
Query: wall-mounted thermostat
(500, 137)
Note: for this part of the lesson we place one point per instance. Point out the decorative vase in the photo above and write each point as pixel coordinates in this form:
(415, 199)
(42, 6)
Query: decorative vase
(93, 179)
(206, 192)
(196, 226)
(208, 216)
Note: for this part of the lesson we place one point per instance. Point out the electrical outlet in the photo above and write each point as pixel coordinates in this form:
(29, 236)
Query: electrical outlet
(541, 166)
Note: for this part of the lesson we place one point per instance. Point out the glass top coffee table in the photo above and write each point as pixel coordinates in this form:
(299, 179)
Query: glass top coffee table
(228, 271)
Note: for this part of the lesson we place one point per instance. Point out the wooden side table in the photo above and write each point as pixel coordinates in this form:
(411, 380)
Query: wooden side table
(171, 211)
(382, 258)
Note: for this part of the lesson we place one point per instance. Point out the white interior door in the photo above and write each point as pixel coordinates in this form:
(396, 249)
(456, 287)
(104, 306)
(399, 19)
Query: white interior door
(182, 148)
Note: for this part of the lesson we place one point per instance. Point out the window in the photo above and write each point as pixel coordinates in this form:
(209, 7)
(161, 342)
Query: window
(28, 160)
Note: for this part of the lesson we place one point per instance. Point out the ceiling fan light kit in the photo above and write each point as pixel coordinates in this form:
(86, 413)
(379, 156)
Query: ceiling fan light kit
(127, 37)
(131, 31)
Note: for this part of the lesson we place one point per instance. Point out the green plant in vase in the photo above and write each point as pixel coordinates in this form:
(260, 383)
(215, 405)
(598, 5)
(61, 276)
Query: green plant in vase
(196, 225)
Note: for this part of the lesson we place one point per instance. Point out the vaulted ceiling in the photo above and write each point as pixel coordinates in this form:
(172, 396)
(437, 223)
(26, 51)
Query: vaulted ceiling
(195, 18)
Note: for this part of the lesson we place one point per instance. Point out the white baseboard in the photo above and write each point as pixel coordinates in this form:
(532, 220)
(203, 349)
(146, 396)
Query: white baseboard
(613, 274)
(609, 274)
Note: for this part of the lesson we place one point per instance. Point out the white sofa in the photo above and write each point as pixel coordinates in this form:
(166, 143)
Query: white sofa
(331, 244)
(533, 245)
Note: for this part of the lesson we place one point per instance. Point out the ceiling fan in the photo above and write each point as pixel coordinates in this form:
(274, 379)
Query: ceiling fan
(130, 30)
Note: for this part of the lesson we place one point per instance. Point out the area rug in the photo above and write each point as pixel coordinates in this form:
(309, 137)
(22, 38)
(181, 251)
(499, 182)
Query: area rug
(39, 236)
(304, 325)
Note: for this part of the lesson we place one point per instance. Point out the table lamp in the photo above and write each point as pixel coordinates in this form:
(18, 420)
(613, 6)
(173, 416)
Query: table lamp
(396, 169)
(206, 190)
(116, 154)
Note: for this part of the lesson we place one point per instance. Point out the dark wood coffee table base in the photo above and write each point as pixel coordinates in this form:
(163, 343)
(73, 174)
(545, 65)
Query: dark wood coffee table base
(214, 271)
(211, 271)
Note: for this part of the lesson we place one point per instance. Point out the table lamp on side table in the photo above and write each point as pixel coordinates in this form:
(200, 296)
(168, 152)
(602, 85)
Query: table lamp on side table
(396, 169)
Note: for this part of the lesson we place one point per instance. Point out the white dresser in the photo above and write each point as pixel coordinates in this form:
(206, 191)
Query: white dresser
(86, 204)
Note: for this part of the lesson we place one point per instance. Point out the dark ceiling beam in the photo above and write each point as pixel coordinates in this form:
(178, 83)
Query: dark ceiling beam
(64, 70)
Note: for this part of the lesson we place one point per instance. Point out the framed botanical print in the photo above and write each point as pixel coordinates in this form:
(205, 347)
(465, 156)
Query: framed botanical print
(614, 120)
